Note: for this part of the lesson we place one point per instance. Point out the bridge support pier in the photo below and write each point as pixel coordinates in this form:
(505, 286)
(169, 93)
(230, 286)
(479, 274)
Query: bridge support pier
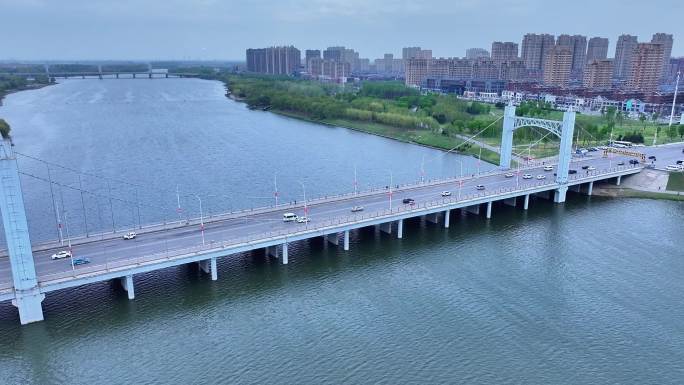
(473, 209)
(28, 302)
(272, 251)
(285, 254)
(333, 238)
(346, 240)
(590, 189)
(432, 218)
(127, 284)
(386, 227)
(526, 204)
(619, 179)
(447, 214)
(559, 194)
(510, 201)
(489, 209)
(400, 229)
(209, 266)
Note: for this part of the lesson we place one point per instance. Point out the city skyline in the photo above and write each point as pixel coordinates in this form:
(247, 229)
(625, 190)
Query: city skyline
(211, 30)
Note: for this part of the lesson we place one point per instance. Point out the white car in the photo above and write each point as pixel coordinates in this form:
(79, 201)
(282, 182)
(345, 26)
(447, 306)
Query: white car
(591, 168)
(480, 187)
(548, 168)
(289, 217)
(61, 254)
(509, 175)
(674, 167)
(527, 176)
(356, 209)
(446, 193)
(540, 176)
(303, 219)
(130, 235)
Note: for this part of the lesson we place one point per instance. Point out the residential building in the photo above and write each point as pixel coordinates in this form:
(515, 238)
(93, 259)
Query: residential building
(410, 52)
(504, 51)
(646, 68)
(624, 50)
(558, 65)
(597, 49)
(310, 54)
(598, 74)
(424, 54)
(329, 70)
(273, 60)
(416, 71)
(334, 53)
(666, 40)
(534, 50)
(578, 44)
(477, 53)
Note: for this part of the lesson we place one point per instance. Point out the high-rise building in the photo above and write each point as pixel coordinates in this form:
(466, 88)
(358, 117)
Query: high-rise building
(578, 44)
(310, 54)
(328, 69)
(558, 65)
(504, 51)
(666, 40)
(334, 53)
(512, 70)
(424, 54)
(597, 49)
(598, 74)
(534, 50)
(646, 67)
(273, 60)
(416, 70)
(477, 53)
(624, 50)
(409, 52)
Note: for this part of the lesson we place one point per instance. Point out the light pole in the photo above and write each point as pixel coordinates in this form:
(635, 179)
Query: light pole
(390, 191)
(201, 216)
(178, 208)
(71, 254)
(306, 209)
(275, 188)
(356, 182)
(674, 98)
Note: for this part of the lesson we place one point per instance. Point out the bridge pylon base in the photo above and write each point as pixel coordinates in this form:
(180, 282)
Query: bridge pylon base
(28, 302)
(559, 194)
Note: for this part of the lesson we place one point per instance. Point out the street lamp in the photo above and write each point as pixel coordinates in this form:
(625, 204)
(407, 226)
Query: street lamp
(201, 216)
(306, 210)
(390, 191)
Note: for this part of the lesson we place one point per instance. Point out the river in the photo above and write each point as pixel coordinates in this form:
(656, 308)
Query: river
(582, 293)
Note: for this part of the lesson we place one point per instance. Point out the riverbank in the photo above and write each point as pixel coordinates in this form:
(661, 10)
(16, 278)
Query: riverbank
(29, 87)
(648, 184)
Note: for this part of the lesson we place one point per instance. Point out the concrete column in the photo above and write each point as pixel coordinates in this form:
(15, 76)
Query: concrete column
(507, 137)
(526, 205)
(272, 251)
(489, 209)
(214, 271)
(204, 266)
(559, 194)
(432, 218)
(28, 302)
(386, 227)
(333, 238)
(285, 254)
(619, 179)
(473, 209)
(446, 218)
(346, 240)
(400, 228)
(510, 201)
(127, 284)
(591, 188)
(565, 148)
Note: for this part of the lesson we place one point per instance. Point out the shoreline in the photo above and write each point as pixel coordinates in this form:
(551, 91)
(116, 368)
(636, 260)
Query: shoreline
(16, 90)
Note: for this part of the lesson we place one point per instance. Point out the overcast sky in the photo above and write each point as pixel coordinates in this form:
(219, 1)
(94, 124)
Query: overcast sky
(223, 29)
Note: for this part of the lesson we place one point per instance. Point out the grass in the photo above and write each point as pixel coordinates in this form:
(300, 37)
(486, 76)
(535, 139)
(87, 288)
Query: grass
(676, 182)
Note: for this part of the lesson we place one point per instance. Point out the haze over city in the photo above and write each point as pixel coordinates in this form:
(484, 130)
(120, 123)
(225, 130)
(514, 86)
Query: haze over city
(222, 30)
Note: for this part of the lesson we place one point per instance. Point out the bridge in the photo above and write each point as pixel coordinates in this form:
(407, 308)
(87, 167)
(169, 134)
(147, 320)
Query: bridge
(32, 273)
(105, 74)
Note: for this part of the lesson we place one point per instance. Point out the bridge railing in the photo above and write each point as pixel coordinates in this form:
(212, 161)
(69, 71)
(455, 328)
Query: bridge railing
(115, 264)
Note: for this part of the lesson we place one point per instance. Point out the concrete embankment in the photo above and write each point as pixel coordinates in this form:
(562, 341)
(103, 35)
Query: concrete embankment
(649, 183)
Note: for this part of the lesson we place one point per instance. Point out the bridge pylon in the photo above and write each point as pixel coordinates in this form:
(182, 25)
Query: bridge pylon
(563, 129)
(28, 297)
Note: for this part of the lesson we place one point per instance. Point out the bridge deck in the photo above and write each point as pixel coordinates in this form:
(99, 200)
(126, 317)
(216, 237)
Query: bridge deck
(161, 246)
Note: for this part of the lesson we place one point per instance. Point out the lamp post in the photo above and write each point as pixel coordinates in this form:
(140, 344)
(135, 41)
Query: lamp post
(390, 191)
(306, 209)
(201, 216)
(674, 98)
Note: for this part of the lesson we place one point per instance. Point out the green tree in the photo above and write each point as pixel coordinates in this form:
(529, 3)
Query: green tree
(5, 129)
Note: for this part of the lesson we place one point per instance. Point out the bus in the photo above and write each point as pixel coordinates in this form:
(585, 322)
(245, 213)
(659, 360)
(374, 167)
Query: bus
(621, 144)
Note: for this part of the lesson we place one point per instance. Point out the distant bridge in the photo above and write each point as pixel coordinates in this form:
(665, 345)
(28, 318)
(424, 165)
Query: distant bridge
(104, 75)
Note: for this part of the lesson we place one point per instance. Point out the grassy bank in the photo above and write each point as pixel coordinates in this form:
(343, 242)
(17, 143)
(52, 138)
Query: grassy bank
(675, 182)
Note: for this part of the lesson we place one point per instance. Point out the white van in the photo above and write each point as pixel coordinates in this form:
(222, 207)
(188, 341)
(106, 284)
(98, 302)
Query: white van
(289, 217)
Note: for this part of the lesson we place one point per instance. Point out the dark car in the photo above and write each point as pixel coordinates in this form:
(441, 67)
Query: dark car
(652, 157)
(621, 163)
(585, 167)
(633, 161)
(81, 261)
(408, 201)
(571, 171)
(679, 162)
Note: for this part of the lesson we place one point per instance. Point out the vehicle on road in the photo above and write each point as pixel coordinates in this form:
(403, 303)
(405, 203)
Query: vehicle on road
(633, 161)
(480, 187)
(679, 162)
(527, 176)
(541, 176)
(446, 193)
(621, 163)
(61, 254)
(548, 168)
(289, 217)
(585, 167)
(593, 149)
(80, 261)
(509, 175)
(408, 201)
(591, 168)
(356, 209)
(652, 157)
(303, 220)
(674, 167)
(130, 235)
(572, 171)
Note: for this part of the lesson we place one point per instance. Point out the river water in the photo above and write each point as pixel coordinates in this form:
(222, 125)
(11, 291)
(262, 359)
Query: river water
(582, 293)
